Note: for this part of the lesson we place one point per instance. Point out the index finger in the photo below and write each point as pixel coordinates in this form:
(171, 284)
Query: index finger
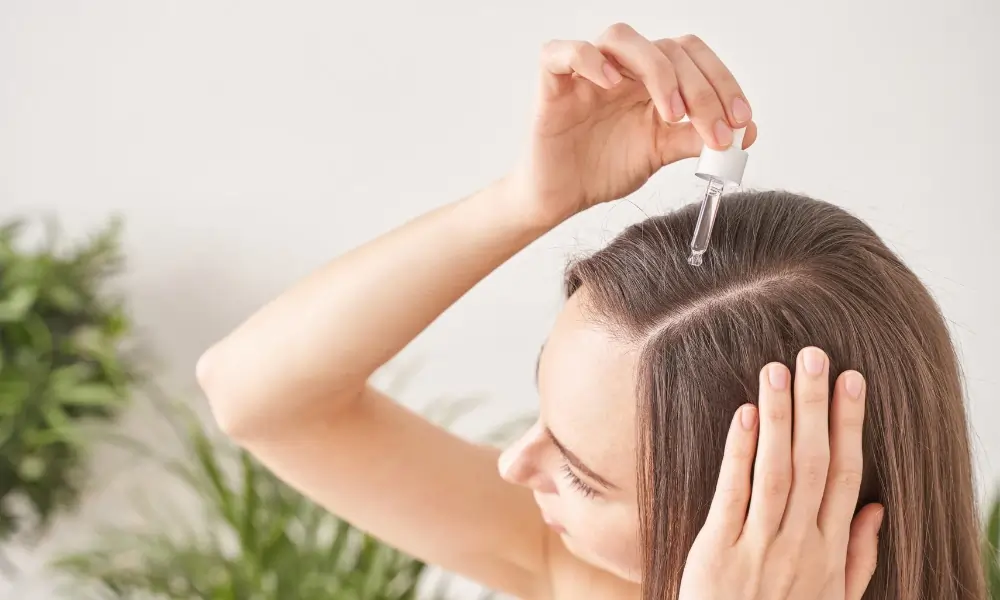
(843, 483)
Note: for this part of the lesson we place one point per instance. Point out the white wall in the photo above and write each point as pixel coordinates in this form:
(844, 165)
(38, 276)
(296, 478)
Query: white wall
(247, 142)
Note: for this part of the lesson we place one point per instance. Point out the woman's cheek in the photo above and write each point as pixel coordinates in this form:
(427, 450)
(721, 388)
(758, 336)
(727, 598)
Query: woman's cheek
(605, 532)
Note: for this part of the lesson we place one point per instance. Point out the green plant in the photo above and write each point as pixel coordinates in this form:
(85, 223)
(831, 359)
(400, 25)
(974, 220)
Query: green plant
(991, 548)
(60, 366)
(259, 539)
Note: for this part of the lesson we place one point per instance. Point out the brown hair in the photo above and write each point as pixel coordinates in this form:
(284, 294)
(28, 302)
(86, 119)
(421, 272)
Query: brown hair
(784, 272)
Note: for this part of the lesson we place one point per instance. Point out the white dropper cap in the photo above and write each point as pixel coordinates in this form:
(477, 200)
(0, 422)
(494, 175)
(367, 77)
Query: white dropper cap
(724, 165)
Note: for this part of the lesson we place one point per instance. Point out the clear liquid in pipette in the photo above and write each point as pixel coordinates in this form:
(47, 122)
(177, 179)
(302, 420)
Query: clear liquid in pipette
(703, 229)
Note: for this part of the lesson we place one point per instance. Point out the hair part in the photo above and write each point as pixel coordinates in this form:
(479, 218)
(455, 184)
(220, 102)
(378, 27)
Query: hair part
(785, 272)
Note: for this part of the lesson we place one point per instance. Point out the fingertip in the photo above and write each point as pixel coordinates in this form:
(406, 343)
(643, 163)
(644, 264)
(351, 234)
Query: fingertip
(750, 136)
(854, 384)
(742, 437)
(612, 76)
(814, 360)
(740, 111)
(722, 134)
(748, 417)
(665, 110)
(776, 376)
(677, 107)
(868, 522)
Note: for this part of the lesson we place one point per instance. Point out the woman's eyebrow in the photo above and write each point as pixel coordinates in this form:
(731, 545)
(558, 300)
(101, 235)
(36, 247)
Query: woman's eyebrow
(577, 463)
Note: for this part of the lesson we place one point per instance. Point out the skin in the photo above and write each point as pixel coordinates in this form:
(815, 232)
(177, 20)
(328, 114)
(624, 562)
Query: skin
(579, 459)
(291, 383)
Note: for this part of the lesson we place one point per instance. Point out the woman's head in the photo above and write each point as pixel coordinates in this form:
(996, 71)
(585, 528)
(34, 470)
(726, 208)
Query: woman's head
(650, 358)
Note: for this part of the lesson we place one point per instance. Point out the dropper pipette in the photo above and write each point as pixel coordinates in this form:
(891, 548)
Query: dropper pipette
(706, 218)
(719, 168)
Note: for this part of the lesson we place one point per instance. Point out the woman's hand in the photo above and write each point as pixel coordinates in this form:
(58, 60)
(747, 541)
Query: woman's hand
(789, 533)
(609, 112)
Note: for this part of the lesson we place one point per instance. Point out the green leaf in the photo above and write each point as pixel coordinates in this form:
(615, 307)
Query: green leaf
(44, 437)
(61, 423)
(993, 524)
(37, 333)
(30, 363)
(117, 323)
(249, 501)
(57, 419)
(31, 468)
(212, 471)
(13, 393)
(70, 376)
(27, 271)
(9, 231)
(7, 431)
(90, 342)
(991, 549)
(89, 394)
(17, 304)
(64, 298)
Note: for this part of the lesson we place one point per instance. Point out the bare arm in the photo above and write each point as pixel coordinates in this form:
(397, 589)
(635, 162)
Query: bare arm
(290, 383)
(290, 386)
(327, 335)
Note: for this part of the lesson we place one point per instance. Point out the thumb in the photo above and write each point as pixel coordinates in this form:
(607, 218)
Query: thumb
(862, 550)
(678, 141)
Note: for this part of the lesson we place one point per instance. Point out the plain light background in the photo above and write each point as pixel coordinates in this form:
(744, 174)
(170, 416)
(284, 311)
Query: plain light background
(248, 142)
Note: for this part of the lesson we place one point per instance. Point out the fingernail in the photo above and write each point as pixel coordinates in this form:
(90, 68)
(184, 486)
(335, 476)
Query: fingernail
(748, 417)
(878, 520)
(677, 105)
(777, 375)
(741, 110)
(614, 77)
(854, 383)
(814, 360)
(723, 134)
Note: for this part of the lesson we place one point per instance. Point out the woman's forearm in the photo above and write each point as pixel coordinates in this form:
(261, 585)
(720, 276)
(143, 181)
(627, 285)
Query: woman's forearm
(320, 341)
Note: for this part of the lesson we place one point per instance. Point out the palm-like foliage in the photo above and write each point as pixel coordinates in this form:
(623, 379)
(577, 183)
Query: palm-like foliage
(260, 540)
(60, 365)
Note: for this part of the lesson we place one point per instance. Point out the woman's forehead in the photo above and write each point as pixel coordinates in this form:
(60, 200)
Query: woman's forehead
(586, 382)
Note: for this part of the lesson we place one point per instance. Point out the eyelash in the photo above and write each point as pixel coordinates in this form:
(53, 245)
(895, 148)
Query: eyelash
(577, 483)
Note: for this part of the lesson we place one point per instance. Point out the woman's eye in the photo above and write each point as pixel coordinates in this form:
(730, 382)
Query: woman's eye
(577, 483)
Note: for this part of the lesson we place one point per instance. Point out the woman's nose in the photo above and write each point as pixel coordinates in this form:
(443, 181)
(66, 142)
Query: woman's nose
(520, 463)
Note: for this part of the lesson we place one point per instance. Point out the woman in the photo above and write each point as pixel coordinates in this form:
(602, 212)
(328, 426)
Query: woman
(629, 485)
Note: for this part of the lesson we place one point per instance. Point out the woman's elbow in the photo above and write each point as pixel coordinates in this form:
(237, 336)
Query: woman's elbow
(217, 384)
